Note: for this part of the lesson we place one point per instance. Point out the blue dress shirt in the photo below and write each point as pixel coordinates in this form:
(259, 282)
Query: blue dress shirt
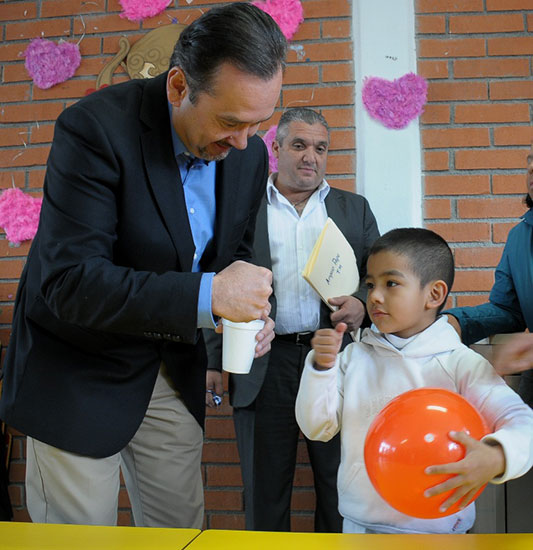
(198, 178)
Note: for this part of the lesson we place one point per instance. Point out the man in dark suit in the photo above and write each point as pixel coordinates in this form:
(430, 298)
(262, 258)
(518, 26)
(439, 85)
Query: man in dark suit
(6, 512)
(292, 214)
(150, 199)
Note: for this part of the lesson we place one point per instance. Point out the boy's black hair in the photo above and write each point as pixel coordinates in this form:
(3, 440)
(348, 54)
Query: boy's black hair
(429, 255)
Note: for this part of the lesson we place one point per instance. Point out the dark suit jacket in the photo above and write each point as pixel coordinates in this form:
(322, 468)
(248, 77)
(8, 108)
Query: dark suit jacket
(354, 218)
(106, 293)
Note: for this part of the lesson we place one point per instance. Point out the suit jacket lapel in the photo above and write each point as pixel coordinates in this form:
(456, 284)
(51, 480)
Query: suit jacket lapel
(261, 242)
(336, 209)
(163, 172)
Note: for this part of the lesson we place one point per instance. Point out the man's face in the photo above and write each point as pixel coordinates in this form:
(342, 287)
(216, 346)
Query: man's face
(530, 172)
(225, 118)
(302, 156)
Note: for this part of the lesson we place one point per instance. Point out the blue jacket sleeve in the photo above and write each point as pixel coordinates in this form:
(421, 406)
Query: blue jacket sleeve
(500, 315)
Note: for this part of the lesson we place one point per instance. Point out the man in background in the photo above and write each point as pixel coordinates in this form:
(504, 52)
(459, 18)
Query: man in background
(294, 210)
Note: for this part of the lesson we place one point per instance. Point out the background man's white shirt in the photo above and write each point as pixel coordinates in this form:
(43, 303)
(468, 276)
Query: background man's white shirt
(291, 238)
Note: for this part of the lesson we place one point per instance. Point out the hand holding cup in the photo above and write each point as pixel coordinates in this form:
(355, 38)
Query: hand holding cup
(240, 292)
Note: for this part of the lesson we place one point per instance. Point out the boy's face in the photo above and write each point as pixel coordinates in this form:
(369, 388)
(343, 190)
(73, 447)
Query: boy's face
(396, 303)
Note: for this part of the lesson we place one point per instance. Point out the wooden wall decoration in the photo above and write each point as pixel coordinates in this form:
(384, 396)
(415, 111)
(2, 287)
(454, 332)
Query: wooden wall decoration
(148, 57)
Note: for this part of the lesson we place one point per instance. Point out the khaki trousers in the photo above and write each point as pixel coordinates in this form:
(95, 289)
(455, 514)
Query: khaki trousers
(161, 467)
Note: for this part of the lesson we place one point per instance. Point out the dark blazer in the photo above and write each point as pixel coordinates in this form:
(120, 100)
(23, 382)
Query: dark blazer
(354, 218)
(106, 293)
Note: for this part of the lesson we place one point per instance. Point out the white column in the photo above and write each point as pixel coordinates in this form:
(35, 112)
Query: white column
(389, 172)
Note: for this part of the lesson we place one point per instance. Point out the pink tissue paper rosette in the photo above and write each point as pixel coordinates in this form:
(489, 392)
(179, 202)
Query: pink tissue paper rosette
(49, 63)
(19, 215)
(288, 14)
(268, 138)
(395, 103)
(137, 10)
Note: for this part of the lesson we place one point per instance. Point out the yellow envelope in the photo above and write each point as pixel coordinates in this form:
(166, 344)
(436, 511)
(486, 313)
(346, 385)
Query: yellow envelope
(331, 268)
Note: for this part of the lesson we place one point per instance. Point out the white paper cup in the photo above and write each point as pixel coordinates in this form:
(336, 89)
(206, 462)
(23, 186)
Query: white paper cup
(238, 345)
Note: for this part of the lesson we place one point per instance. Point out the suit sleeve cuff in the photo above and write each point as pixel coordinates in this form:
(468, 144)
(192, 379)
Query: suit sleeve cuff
(205, 316)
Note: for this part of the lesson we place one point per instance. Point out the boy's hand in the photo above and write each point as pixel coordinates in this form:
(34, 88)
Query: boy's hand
(481, 463)
(327, 342)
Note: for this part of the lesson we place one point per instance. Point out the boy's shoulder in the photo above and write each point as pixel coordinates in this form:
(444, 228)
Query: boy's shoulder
(463, 352)
(464, 361)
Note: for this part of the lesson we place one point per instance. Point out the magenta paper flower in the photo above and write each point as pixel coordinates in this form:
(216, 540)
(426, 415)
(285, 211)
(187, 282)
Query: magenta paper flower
(395, 103)
(268, 138)
(49, 63)
(288, 14)
(137, 10)
(19, 215)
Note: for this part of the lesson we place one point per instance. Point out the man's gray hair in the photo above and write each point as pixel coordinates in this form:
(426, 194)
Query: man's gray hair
(298, 114)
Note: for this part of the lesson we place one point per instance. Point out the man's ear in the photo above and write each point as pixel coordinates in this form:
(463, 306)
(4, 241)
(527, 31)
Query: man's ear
(177, 88)
(275, 148)
(437, 292)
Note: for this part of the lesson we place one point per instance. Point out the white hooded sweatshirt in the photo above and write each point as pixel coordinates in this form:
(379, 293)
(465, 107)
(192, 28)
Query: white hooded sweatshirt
(367, 375)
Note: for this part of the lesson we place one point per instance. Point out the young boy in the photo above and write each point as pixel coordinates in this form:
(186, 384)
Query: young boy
(409, 275)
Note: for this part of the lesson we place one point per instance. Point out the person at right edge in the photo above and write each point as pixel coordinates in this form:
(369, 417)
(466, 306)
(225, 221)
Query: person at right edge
(510, 305)
(294, 210)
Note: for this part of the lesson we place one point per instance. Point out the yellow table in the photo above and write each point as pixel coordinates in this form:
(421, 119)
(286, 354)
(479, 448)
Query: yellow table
(40, 536)
(37, 536)
(252, 540)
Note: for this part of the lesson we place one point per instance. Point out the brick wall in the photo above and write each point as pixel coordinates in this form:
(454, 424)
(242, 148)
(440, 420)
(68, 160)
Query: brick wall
(476, 129)
(477, 55)
(319, 74)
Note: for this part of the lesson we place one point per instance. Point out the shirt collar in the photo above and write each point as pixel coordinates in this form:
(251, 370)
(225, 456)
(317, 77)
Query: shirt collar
(528, 217)
(271, 190)
(177, 144)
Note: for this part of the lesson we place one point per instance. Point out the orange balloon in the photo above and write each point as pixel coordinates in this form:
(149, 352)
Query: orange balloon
(410, 434)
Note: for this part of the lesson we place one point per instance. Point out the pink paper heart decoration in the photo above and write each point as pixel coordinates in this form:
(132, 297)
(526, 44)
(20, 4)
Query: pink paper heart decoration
(19, 215)
(268, 138)
(395, 103)
(137, 10)
(49, 63)
(288, 14)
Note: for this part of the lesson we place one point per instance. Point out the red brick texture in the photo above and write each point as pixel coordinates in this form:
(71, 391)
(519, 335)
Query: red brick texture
(476, 129)
(319, 74)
